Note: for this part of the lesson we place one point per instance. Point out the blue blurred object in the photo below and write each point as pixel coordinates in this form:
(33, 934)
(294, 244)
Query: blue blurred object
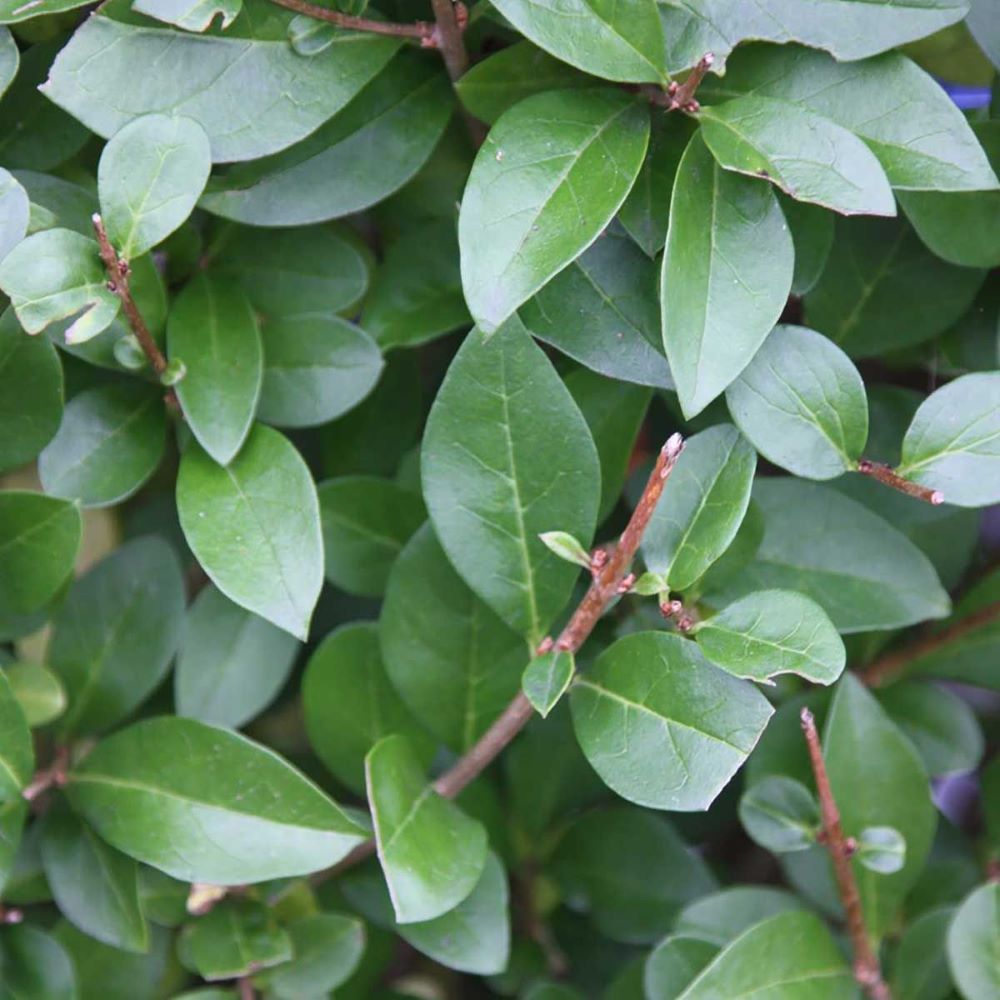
(967, 98)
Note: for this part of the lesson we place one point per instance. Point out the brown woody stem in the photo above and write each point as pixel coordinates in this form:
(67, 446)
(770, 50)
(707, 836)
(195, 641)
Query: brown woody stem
(450, 20)
(604, 588)
(53, 776)
(890, 666)
(681, 96)
(867, 970)
(421, 30)
(888, 476)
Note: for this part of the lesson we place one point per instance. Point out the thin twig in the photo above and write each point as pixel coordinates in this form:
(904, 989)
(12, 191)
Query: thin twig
(680, 96)
(605, 586)
(245, 985)
(450, 21)
(886, 475)
(423, 31)
(890, 666)
(867, 970)
(53, 776)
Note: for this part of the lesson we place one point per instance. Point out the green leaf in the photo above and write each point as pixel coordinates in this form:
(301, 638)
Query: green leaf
(802, 404)
(349, 704)
(332, 173)
(191, 15)
(602, 311)
(881, 849)
(14, 211)
(15, 11)
(661, 725)
(943, 728)
(723, 916)
(316, 368)
(34, 964)
(869, 298)
(94, 886)
(504, 78)
(38, 691)
(772, 632)
(54, 275)
(780, 814)
(432, 854)
(727, 271)
(973, 954)
(473, 937)
(151, 174)
(960, 226)
(845, 29)
(786, 957)
(546, 679)
(417, 294)
(326, 948)
(212, 328)
(862, 571)
(39, 540)
(207, 79)
(551, 175)
(806, 155)
(207, 805)
(630, 871)
(31, 403)
(812, 234)
(453, 661)
(953, 441)
(702, 506)
(9, 58)
(17, 754)
(859, 738)
(235, 938)
(507, 455)
(254, 526)
(13, 814)
(285, 272)
(920, 971)
(674, 963)
(114, 637)
(566, 547)
(109, 443)
(231, 664)
(934, 150)
(616, 41)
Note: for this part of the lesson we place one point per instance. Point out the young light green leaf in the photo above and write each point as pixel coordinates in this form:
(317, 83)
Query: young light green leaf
(39, 539)
(114, 637)
(94, 886)
(972, 944)
(661, 725)
(54, 275)
(507, 455)
(349, 703)
(934, 150)
(602, 311)
(208, 805)
(9, 59)
(212, 327)
(150, 176)
(788, 956)
(727, 271)
(953, 441)
(432, 854)
(326, 949)
(806, 155)
(332, 173)
(316, 368)
(231, 664)
(191, 15)
(674, 963)
(546, 679)
(433, 631)
(17, 754)
(566, 547)
(860, 569)
(34, 964)
(802, 404)
(235, 938)
(881, 849)
(616, 41)
(780, 814)
(650, 585)
(550, 176)
(38, 691)
(773, 632)
(702, 506)
(255, 528)
(31, 404)
(207, 79)
(14, 213)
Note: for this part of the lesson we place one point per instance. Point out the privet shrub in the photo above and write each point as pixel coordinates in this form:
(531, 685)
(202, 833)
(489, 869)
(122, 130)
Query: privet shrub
(492, 500)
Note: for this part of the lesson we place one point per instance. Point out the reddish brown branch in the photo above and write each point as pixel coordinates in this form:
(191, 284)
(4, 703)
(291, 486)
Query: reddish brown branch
(681, 96)
(886, 475)
(423, 31)
(53, 776)
(888, 667)
(245, 986)
(867, 970)
(450, 21)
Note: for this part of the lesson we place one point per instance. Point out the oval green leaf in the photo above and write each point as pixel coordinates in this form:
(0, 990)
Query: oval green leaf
(17, 754)
(780, 814)
(972, 944)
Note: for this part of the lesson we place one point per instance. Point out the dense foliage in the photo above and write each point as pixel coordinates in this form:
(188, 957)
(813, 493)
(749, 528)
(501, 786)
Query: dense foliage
(492, 499)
